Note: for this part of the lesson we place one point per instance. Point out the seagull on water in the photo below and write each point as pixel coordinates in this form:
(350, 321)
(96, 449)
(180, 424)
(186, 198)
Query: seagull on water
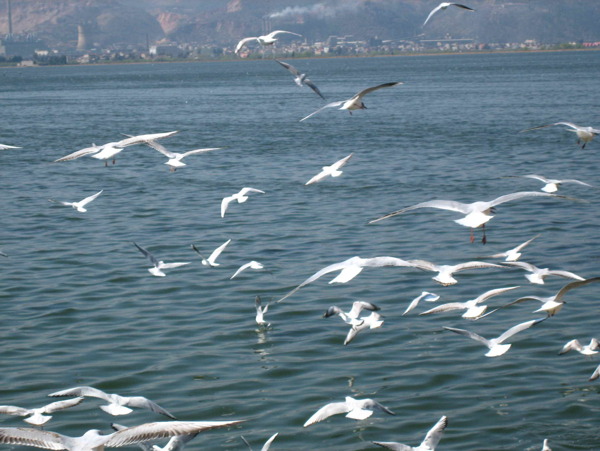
(429, 443)
(496, 345)
(5, 146)
(301, 78)
(538, 275)
(176, 443)
(333, 170)
(241, 197)
(260, 312)
(212, 258)
(349, 269)
(424, 296)
(443, 6)
(357, 409)
(159, 265)
(36, 416)
(473, 308)
(79, 206)
(584, 134)
(512, 255)
(577, 346)
(552, 185)
(444, 272)
(268, 39)
(117, 405)
(267, 444)
(355, 102)
(477, 214)
(353, 318)
(93, 440)
(252, 265)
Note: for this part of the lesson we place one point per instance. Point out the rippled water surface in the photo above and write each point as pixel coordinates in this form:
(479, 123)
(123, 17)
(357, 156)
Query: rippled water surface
(80, 308)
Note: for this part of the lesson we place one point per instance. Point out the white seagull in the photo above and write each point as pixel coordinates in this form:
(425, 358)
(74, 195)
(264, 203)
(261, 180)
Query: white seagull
(444, 272)
(267, 444)
(584, 134)
(241, 197)
(349, 269)
(159, 265)
(5, 146)
(260, 312)
(357, 409)
(36, 416)
(596, 374)
(174, 158)
(512, 255)
(252, 265)
(577, 346)
(538, 275)
(301, 78)
(268, 39)
(176, 443)
(425, 296)
(552, 185)
(117, 405)
(79, 206)
(477, 214)
(473, 308)
(92, 440)
(545, 446)
(333, 170)
(111, 149)
(353, 318)
(495, 345)
(443, 6)
(212, 258)
(429, 443)
(355, 102)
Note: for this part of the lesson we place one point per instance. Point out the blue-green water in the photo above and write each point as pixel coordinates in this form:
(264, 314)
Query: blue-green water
(80, 308)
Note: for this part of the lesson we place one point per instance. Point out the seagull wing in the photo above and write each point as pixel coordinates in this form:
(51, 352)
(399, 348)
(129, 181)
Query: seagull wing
(272, 34)
(243, 42)
(474, 265)
(240, 269)
(312, 86)
(164, 265)
(433, 11)
(519, 195)
(87, 200)
(60, 405)
(145, 403)
(80, 153)
(522, 245)
(198, 252)
(470, 334)
(491, 293)
(225, 203)
(326, 411)
(289, 67)
(154, 261)
(573, 344)
(440, 204)
(463, 6)
(197, 151)
(15, 410)
(162, 149)
(394, 446)
(83, 391)
(374, 405)
(329, 105)
(267, 444)
(5, 146)
(564, 290)
(143, 139)
(340, 163)
(579, 182)
(364, 92)
(449, 307)
(215, 254)
(247, 190)
(518, 328)
(317, 178)
(33, 437)
(435, 434)
(541, 178)
(565, 274)
(359, 306)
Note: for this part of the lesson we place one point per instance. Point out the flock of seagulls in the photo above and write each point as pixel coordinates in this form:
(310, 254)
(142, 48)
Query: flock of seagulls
(476, 215)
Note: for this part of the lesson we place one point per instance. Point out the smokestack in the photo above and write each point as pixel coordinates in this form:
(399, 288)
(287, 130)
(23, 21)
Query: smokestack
(81, 39)
(9, 9)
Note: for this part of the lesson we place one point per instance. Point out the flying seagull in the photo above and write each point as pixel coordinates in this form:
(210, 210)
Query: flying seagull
(538, 275)
(79, 206)
(268, 39)
(512, 255)
(357, 409)
(495, 345)
(301, 78)
(241, 197)
(212, 258)
(174, 158)
(429, 443)
(552, 185)
(577, 346)
(477, 214)
(92, 440)
(444, 272)
(159, 265)
(5, 146)
(333, 170)
(443, 6)
(584, 134)
(252, 264)
(117, 405)
(424, 296)
(353, 318)
(36, 416)
(355, 102)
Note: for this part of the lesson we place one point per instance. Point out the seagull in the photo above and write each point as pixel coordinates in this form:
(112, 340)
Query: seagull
(551, 305)
(117, 405)
(3, 254)
(443, 6)
(268, 39)
(36, 416)
(211, 260)
(429, 443)
(538, 275)
(260, 312)
(353, 318)
(552, 185)
(333, 170)
(241, 197)
(5, 146)
(425, 296)
(176, 443)
(79, 206)
(472, 307)
(512, 255)
(444, 272)
(252, 264)
(584, 134)
(267, 444)
(159, 265)
(175, 158)
(495, 345)
(357, 409)
(585, 350)
(545, 446)
(595, 375)
(477, 214)
(111, 149)
(350, 268)
(92, 440)
(355, 102)
(301, 78)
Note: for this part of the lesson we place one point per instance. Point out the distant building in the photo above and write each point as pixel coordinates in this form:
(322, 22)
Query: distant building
(25, 48)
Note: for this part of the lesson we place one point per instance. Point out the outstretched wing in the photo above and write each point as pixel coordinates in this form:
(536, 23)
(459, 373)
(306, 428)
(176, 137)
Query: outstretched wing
(519, 195)
(435, 434)
(33, 437)
(289, 67)
(152, 259)
(440, 204)
(243, 42)
(197, 151)
(326, 411)
(364, 92)
(329, 105)
(568, 287)
(80, 153)
(88, 199)
(312, 86)
(518, 328)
